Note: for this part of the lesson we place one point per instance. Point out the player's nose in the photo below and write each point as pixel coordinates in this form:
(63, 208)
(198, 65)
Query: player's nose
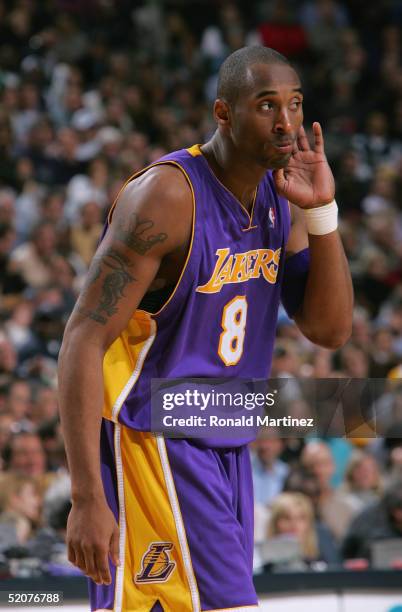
(283, 124)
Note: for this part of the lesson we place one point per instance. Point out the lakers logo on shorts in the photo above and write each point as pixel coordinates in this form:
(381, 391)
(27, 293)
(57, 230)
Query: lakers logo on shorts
(156, 565)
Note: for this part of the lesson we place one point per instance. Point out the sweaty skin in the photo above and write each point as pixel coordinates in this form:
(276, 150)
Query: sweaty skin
(146, 246)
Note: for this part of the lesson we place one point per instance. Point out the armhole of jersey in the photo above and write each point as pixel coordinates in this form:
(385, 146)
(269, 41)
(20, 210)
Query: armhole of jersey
(130, 178)
(190, 248)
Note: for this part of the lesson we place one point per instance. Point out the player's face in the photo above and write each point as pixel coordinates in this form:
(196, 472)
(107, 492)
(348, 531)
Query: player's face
(267, 117)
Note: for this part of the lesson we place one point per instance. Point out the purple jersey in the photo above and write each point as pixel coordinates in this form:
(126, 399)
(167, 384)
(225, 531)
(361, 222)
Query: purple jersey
(184, 508)
(221, 318)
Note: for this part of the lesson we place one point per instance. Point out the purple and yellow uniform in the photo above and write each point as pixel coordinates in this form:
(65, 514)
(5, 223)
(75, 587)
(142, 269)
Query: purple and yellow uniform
(185, 507)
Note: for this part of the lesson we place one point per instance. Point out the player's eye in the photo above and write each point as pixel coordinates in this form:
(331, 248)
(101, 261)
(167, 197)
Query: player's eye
(267, 106)
(295, 104)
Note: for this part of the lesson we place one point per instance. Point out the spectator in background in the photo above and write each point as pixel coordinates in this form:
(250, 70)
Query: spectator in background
(52, 209)
(11, 283)
(351, 187)
(317, 460)
(386, 449)
(66, 275)
(362, 485)
(111, 141)
(85, 234)
(53, 445)
(20, 508)
(25, 455)
(292, 514)
(29, 111)
(8, 173)
(374, 146)
(282, 32)
(361, 330)
(6, 431)
(300, 480)
(269, 475)
(8, 360)
(86, 122)
(269, 472)
(33, 259)
(286, 363)
(354, 361)
(91, 187)
(38, 150)
(48, 543)
(17, 327)
(47, 331)
(7, 206)
(392, 443)
(45, 405)
(382, 353)
(382, 193)
(66, 162)
(19, 403)
(380, 521)
(374, 285)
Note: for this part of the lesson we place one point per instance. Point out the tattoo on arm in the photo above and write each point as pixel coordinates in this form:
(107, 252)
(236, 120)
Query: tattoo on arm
(113, 286)
(133, 235)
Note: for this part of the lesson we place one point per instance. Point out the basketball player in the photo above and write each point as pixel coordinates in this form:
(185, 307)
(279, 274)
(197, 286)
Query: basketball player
(199, 250)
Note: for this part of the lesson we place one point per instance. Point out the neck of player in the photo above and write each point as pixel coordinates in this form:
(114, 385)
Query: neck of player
(232, 170)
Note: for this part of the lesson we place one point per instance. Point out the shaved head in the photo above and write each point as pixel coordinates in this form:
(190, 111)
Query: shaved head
(234, 72)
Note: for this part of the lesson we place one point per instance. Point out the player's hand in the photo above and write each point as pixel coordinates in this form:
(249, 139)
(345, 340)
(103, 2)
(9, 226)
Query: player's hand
(307, 180)
(93, 536)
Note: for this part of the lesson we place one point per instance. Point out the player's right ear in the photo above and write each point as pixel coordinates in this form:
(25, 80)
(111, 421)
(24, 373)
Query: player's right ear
(221, 112)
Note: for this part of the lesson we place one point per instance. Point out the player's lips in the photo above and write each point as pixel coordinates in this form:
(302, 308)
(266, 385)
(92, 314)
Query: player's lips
(286, 146)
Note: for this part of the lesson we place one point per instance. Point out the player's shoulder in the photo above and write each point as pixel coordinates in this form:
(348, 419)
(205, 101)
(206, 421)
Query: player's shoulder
(158, 189)
(160, 197)
(164, 181)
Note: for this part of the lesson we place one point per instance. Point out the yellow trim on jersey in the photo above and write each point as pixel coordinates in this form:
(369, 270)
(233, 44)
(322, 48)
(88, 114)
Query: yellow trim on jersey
(196, 150)
(150, 519)
(119, 576)
(124, 361)
(190, 248)
(130, 178)
(136, 175)
(245, 608)
(181, 530)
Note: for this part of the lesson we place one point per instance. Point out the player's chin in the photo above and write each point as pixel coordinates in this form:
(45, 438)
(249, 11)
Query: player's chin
(277, 161)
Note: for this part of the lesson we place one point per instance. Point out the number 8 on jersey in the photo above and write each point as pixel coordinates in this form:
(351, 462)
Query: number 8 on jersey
(231, 340)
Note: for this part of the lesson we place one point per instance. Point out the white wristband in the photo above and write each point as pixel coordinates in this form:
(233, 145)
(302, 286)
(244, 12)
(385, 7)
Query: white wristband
(322, 219)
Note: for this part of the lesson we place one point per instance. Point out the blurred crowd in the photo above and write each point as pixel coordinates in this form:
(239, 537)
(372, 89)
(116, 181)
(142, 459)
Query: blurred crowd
(91, 92)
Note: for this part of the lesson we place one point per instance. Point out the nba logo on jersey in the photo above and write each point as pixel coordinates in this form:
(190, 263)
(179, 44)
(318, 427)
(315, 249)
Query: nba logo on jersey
(271, 216)
(156, 564)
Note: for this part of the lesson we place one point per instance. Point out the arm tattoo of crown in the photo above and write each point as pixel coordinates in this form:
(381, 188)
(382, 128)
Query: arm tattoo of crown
(134, 235)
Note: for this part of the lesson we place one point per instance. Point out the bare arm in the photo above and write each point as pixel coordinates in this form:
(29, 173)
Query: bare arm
(152, 219)
(326, 313)
(325, 316)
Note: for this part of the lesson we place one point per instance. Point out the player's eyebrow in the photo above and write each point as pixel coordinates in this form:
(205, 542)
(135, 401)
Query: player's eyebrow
(273, 92)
